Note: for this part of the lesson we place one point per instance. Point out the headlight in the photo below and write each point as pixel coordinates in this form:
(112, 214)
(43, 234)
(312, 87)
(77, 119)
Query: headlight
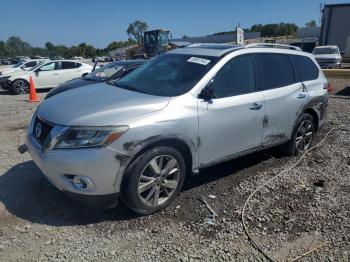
(76, 137)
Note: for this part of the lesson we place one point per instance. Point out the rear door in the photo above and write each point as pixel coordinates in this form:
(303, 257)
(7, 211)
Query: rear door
(285, 96)
(68, 71)
(47, 75)
(232, 121)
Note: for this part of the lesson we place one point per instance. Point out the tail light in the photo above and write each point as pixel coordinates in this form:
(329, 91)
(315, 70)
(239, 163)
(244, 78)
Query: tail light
(328, 87)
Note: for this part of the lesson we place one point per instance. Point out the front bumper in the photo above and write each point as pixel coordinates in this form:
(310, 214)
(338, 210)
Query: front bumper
(101, 165)
(326, 65)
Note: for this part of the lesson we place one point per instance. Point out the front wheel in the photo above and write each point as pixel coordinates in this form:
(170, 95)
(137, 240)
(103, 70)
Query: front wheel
(20, 86)
(302, 136)
(153, 180)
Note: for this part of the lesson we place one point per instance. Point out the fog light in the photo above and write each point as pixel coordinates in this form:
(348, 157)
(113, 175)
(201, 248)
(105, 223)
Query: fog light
(83, 183)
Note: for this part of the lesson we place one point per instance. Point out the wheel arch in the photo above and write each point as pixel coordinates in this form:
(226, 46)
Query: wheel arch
(176, 143)
(314, 114)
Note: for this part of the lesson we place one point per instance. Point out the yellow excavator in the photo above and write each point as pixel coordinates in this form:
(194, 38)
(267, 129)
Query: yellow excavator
(155, 42)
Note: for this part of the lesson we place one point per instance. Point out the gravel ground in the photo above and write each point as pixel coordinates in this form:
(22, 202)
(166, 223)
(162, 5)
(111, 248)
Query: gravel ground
(301, 210)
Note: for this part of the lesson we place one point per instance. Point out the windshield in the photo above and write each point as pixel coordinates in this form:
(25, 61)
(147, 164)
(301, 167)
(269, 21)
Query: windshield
(104, 72)
(325, 51)
(168, 74)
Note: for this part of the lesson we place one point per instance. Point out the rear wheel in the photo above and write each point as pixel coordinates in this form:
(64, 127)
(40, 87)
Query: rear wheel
(20, 86)
(302, 137)
(153, 180)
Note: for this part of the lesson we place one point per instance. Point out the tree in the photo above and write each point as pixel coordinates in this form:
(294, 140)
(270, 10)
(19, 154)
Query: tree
(271, 30)
(311, 23)
(136, 30)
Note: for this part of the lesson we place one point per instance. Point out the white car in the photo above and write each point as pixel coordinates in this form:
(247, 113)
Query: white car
(328, 56)
(47, 75)
(21, 66)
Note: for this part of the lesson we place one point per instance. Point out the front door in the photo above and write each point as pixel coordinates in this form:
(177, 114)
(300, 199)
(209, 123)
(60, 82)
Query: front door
(232, 121)
(47, 76)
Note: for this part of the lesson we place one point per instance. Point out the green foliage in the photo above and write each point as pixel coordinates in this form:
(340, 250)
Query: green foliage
(136, 30)
(271, 30)
(14, 46)
(311, 23)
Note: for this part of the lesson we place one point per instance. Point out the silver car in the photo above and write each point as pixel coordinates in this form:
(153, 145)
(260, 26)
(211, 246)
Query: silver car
(136, 139)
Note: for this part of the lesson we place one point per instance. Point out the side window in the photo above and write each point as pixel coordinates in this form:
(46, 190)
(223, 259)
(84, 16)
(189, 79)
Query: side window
(67, 65)
(236, 77)
(77, 65)
(275, 70)
(305, 67)
(49, 67)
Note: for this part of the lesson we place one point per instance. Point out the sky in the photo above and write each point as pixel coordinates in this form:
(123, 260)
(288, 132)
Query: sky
(99, 22)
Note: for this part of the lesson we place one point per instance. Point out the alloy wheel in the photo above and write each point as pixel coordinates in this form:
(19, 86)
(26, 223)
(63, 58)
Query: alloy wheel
(159, 180)
(21, 87)
(304, 136)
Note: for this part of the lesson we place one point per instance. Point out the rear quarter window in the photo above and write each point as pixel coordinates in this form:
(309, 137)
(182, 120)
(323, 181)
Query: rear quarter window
(275, 70)
(305, 67)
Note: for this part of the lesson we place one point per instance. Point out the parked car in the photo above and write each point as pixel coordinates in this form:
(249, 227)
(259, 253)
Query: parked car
(5, 61)
(328, 56)
(109, 72)
(77, 58)
(56, 58)
(182, 111)
(21, 66)
(47, 75)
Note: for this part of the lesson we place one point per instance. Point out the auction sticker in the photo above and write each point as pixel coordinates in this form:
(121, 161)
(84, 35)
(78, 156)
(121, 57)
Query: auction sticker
(198, 60)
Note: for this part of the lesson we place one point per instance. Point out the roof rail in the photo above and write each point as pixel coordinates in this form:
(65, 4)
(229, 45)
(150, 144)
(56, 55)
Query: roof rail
(272, 45)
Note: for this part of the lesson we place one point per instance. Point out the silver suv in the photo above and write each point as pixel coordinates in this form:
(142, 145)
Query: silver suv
(136, 139)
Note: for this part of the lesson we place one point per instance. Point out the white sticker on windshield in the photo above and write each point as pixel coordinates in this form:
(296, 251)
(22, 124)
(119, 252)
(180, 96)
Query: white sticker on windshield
(199, 60)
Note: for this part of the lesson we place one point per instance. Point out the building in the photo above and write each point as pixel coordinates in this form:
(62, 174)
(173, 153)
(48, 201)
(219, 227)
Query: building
(335, 26)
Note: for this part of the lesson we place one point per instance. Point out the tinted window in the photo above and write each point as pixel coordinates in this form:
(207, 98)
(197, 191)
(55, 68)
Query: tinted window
(30, 64)
(236, 77)
(77, 65)
(305, 67)
(67, 65)
(168, 74)
(275, 70)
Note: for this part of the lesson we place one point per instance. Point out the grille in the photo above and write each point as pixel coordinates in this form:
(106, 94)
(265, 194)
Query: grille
(326, 60)
(45, 130)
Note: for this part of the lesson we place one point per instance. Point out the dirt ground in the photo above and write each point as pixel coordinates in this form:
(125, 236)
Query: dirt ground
(303, 209)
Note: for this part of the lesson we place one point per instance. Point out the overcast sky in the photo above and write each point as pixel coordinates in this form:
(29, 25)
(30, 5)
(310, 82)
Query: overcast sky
(99, 22)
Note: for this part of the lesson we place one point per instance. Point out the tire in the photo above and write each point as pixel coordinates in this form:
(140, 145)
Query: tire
(302, 136)
(20, 86)
(159, 171)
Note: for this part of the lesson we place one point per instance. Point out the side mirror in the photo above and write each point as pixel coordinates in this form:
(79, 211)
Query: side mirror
(207, 92)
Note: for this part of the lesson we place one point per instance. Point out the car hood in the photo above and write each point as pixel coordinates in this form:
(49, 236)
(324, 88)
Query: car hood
(75, 83)
(19, 73)
(327, 56)
(9, 70)
(99, 105)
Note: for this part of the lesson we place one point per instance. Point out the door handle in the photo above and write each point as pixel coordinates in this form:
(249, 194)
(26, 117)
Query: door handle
(55, 74)
(256, 106)
(302, 95)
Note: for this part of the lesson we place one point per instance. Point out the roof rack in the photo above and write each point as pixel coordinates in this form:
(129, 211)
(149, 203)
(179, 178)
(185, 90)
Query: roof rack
(272, 45)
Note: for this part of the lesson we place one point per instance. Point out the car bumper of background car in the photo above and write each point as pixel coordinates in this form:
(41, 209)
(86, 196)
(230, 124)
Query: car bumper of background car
(98, 167)
(329, 65)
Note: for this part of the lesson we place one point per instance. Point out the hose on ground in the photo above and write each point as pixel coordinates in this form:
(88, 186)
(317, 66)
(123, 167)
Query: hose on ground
(254, 242)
